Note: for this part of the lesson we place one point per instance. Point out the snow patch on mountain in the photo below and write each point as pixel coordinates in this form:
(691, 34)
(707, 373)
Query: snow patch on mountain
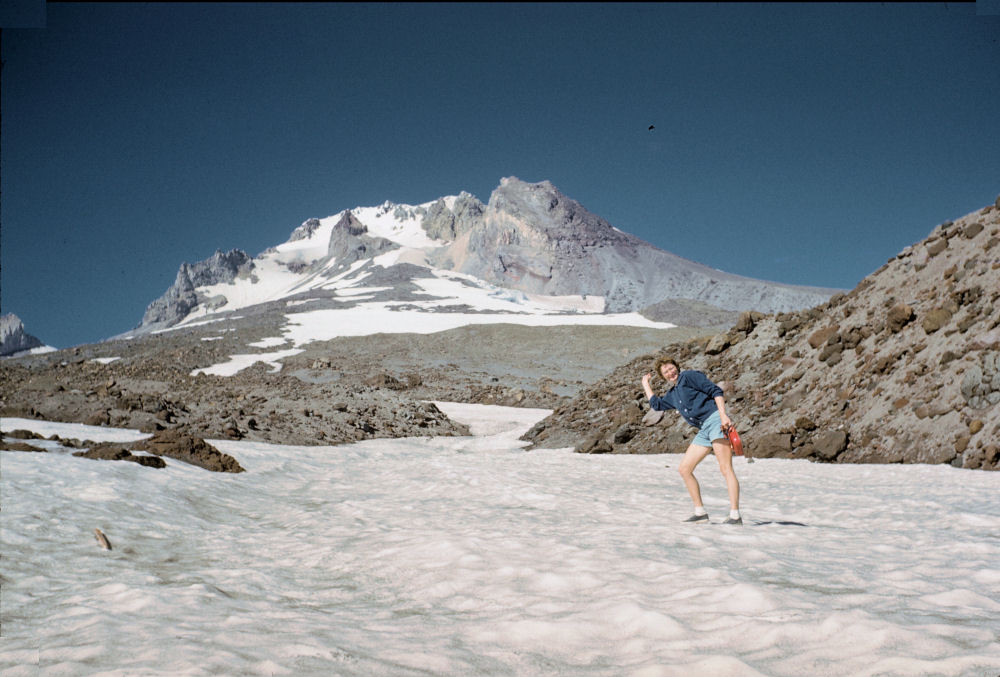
(237, 363)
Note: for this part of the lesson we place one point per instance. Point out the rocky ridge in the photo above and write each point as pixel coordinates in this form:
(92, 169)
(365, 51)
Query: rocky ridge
(905, 368)
(13, 338)
(182, 297)
(350, 242)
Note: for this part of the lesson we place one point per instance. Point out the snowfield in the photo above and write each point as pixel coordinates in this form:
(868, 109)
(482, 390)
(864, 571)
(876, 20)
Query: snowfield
(472, 556)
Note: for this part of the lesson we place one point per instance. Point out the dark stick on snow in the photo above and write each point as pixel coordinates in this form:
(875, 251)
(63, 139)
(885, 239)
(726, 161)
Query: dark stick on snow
(102, 539)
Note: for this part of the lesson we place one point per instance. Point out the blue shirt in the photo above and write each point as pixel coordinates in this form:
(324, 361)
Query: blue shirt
(693, 396)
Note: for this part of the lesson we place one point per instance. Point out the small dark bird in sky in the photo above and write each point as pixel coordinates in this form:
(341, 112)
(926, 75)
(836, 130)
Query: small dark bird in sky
(651, 128)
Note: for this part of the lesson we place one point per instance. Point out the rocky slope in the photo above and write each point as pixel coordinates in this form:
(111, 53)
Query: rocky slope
(903, 369)
(334, 391)
(13, 338)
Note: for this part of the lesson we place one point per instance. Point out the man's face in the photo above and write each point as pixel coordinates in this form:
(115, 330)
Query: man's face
(668, 372)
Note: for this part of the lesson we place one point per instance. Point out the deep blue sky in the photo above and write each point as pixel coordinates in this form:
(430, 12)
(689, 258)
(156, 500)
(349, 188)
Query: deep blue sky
(799, 143)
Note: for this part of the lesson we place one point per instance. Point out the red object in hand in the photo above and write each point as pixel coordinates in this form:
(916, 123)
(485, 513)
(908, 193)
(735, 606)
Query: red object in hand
(734, 440)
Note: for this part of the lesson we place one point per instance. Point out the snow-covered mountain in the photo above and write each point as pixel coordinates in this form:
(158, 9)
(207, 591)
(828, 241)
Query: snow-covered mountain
(529, 252)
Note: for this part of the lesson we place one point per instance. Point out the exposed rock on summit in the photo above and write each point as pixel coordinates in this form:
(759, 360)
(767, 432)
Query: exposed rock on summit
(442, 223)
(533, 238)
(13, 338)
(903, 369)
(350, 242)
(181, 298)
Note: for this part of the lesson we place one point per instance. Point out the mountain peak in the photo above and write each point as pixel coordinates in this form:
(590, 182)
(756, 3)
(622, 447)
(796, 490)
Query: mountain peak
(351, 224)
(513, 190)
(549, 211)
(13, 338)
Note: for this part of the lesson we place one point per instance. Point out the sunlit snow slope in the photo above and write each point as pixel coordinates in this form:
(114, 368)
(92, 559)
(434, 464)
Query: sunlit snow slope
(469, 556)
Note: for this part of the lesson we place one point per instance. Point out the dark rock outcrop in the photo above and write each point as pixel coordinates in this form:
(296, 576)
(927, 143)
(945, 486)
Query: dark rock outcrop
(185, 447)
(117, 452)
(13, 338)
(442, 223)
(19, 446)
(350, 242)
(182, 296)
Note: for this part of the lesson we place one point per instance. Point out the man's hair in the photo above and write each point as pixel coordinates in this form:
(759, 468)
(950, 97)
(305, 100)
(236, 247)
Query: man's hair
(662, 361)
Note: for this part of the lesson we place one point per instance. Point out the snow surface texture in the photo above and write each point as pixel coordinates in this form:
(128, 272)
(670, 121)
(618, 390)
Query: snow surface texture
(462, 556)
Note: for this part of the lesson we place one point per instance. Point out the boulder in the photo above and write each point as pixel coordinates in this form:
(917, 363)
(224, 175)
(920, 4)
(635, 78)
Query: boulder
(595, 444)
(652, 417)
(105, 452)
(23, 435)
(385, 380)
(624, 433)
(937, 246)
(771, 445)
(789, 325)
(99, 418)
(971, 230)
(747, 321)
(805, 423)
(822, 336)
(718, 343)
(899, 316)
(829, 444)
(935, 319)
(980, 386)
(934, 453)
(987, 458)
(831, 353)
(599, 446)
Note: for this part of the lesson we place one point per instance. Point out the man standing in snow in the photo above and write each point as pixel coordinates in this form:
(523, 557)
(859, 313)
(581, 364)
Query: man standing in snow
(701, 404)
